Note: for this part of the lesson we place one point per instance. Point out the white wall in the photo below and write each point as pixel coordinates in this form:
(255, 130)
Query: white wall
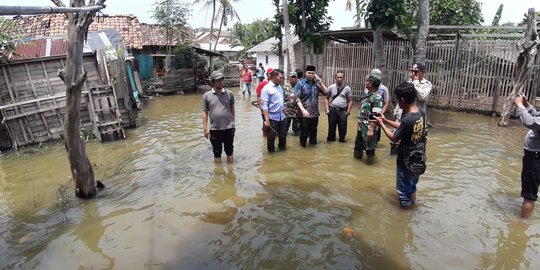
(273, 60)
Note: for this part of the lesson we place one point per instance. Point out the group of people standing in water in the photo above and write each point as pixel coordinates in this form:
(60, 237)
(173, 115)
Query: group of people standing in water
(296, 104)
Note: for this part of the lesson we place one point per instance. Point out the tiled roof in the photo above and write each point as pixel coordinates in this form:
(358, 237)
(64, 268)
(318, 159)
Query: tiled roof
(56, 24)
(154, 35)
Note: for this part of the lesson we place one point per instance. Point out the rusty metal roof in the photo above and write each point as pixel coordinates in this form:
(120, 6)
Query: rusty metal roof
(43, 47)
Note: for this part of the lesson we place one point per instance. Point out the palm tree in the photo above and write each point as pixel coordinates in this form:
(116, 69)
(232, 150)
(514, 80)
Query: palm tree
(225, 10)
(360, 7)
(206, 6)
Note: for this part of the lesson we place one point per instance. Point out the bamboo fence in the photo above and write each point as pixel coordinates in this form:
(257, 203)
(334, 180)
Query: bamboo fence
(469, 75)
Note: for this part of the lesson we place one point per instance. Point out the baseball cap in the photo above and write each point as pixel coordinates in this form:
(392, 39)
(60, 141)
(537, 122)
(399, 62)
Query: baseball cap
(419, 66)
(373, 78)
(293, 74)
(269, 70)
(216, 75)
(376, 72)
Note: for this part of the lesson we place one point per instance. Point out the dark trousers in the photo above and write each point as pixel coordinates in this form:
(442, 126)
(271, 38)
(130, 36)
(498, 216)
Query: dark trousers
(308, 128)
(337, 117)
(277, 129)
(530, 175)
(295, 124)
(222, 138)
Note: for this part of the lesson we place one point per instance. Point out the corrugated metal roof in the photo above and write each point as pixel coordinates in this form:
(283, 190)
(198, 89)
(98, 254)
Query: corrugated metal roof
(43, 47)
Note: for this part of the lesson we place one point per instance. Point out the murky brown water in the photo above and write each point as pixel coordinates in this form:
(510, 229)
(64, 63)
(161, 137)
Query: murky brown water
(167, 206)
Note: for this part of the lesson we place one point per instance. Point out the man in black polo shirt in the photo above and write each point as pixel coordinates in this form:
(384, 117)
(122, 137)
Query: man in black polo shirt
(218, 105)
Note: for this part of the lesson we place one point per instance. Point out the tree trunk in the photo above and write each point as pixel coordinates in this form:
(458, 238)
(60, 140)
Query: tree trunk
(528, 48)
(74, 77)
(219, 32)
(378, 48)
(288, 40)
(210, 65)
(419, 42)
(168, 50)
(304, 53)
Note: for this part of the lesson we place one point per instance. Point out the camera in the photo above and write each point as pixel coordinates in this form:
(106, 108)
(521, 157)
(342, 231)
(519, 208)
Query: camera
(373, 115)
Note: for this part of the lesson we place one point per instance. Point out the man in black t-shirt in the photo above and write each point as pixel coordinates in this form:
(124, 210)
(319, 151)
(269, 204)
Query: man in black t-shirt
(410, 132)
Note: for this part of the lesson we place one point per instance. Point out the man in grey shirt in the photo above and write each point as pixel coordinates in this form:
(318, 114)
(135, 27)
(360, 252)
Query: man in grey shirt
(218, 105)
(530, 173)
(338, 105)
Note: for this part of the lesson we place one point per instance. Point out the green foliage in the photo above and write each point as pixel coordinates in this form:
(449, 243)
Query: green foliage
(316, 17)
(87, 135)
(184, 57)
(386, 14)
(225, 12)
(173, 16)
(455, 12)
(251, 34)
(498, 15)
(8, 39)
(220, 63)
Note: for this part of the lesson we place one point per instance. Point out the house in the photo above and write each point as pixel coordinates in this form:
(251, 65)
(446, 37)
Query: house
(56, 24)
(224, 44)
(32, 96)
(266, 53)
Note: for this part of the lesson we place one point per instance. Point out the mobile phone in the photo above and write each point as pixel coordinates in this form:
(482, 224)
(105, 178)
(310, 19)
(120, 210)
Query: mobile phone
(373, 115)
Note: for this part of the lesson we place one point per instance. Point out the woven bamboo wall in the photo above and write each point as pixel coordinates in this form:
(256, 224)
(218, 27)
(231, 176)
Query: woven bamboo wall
(471, 75)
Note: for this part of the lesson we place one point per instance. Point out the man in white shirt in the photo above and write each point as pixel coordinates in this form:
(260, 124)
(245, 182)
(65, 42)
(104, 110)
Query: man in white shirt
(273, 108)
(423, 89)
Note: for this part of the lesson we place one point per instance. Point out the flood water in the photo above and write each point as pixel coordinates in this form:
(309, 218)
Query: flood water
(167, 206)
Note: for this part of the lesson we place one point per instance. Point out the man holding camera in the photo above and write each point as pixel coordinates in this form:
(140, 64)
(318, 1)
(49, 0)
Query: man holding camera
(410, 132)
(422, 86)
(530, 172)
(371, 106)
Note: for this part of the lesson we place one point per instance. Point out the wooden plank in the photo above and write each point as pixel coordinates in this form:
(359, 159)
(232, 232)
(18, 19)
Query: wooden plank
(6, 77)
(51, 92)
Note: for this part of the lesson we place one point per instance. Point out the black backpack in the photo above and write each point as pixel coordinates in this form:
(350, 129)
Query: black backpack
(415, 155)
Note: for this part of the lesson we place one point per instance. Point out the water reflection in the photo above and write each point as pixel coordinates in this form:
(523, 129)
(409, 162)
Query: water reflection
(511, 248)
(222, 191)
(167, 206)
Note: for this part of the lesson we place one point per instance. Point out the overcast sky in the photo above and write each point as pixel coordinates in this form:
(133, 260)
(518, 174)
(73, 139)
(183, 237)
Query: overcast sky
(250, 10)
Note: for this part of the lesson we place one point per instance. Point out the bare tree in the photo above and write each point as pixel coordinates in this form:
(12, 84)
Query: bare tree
(74, 77)
(528, 46)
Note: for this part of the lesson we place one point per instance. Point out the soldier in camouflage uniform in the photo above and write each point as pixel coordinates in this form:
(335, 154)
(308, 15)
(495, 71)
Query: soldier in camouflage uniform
(291, 109)
(366, 138)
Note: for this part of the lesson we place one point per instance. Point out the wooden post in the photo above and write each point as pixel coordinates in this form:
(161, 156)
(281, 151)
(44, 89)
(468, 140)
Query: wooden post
(454, 70)
(528, 48)
(496, 97)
